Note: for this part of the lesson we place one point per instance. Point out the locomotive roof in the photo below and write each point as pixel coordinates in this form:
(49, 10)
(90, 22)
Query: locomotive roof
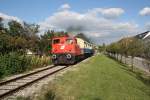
(67, 36)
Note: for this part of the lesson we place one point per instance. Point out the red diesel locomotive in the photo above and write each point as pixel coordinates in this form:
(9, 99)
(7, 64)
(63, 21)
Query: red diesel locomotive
(68, 49)
(65, 50)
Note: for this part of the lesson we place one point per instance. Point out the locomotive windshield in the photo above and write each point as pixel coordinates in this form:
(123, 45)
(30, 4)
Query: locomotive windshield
(69, 41)
(56, 41)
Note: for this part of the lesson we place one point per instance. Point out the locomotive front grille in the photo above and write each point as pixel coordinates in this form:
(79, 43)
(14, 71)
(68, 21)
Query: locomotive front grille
(62, 59)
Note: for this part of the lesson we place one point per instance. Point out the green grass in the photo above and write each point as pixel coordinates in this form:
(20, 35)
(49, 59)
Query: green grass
(101, 78)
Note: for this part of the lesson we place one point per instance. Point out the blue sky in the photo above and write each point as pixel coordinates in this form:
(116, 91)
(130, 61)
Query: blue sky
(37, 10)
(40, 11)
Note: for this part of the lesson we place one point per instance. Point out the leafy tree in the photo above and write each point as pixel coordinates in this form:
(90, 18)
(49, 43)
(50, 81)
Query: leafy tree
(114, 49)
(30, 29)
(5, 45)
(102, 48)
(1, 24)
(2, 29)
(33, 43)
(15, 28)
(62, 33)
(20, 44)
(135, 48)
(147, 54)
(45, 42)
(124, 43)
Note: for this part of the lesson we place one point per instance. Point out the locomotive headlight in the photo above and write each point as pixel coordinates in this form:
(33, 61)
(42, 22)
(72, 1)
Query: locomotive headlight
(54, 56)
(68, 56)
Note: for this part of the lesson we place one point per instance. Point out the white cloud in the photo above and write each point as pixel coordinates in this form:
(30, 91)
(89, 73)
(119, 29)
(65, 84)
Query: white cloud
(90, 23)
(112, 12)
(108, 12)
(96, 23)
(145, 11)
(9, 18)
(64, 6)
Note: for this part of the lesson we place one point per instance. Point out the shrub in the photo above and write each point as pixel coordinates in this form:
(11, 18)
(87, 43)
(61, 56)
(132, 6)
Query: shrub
(14, 63)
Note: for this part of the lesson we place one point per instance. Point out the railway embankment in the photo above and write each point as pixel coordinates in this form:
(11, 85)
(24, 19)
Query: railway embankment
(100, 78)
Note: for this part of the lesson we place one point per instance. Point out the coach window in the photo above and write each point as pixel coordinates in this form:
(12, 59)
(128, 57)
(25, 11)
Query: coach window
(56, 41)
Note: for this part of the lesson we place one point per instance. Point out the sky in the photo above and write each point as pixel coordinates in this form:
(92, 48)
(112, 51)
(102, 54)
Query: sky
(103, 21)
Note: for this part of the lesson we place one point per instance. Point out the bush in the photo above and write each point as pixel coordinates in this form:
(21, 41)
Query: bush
(14, 63)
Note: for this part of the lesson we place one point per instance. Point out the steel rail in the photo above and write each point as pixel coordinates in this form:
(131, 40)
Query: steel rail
(11, 91)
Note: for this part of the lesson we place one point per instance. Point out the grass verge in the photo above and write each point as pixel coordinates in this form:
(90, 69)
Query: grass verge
(100, 78)
(142, 75)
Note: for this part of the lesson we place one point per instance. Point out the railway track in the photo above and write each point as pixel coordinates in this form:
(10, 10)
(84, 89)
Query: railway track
(13, 85)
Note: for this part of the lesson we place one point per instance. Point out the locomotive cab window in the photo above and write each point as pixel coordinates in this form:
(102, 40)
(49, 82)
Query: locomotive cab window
(69, 41)
(56, 41)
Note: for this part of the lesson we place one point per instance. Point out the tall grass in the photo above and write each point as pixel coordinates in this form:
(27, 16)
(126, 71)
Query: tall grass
(36, 61)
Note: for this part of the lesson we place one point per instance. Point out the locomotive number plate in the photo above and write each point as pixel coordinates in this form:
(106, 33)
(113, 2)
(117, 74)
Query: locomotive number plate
(62, 47)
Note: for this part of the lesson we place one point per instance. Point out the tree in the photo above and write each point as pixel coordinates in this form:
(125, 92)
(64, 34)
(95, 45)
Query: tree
(15, 28)
(135, 48)
(123, 44)
(147, 54)
(113, 49)
(20, 44)
(102, 48)
(2, 29)
(5, 43)
(1, 24)
(46, 42)
(30, 29)
(62, 33)
(30, 34)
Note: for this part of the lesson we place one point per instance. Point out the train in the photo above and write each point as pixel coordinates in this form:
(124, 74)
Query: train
(70, 49)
